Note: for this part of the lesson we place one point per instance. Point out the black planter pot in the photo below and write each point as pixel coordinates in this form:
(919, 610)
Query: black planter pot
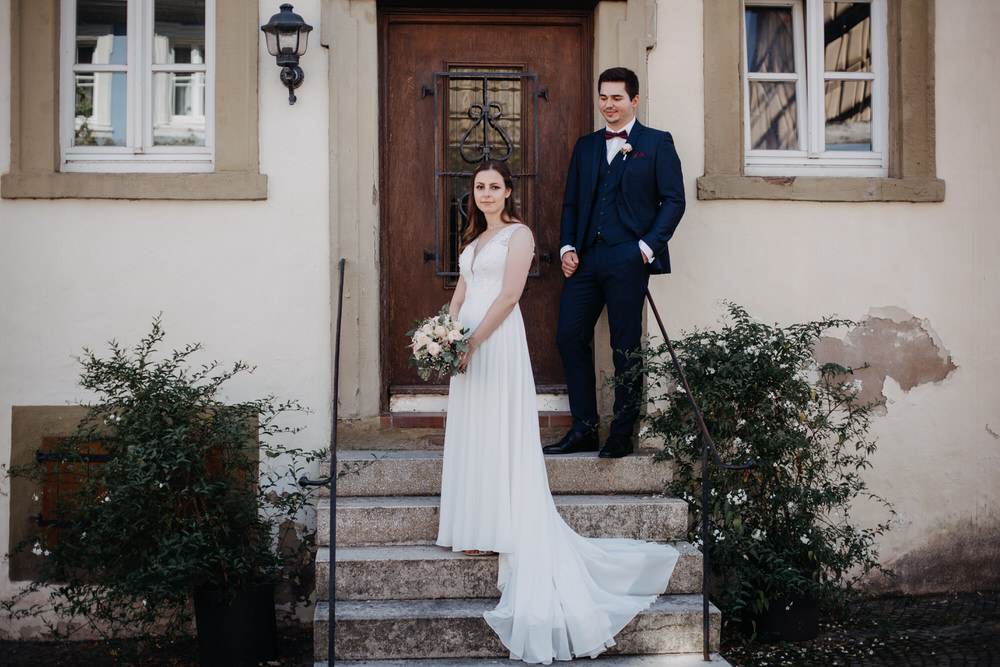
(236, 628)
(791, 619)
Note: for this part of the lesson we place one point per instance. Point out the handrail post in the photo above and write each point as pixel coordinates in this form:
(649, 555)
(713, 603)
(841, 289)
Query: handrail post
(331, 481)
(704, 551)
(706, 446)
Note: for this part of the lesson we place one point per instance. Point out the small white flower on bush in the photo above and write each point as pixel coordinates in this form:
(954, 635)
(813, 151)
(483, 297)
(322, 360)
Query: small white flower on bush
(803, 539)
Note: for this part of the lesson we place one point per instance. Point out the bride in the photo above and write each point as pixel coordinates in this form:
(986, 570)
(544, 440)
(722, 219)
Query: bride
(562, 595)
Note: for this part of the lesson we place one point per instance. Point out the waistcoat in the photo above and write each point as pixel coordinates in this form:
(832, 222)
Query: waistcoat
(605, 215)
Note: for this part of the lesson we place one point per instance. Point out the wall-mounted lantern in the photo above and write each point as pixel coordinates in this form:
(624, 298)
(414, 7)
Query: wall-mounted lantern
(287, 37)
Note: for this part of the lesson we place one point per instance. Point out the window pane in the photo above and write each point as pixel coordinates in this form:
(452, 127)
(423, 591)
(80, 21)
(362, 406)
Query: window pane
(773, 116)
(100, 118)
(101, 31)
(482, 123)
(179, 109)
(179, 32)
(847, 36)
(770, 40)
(848, 115)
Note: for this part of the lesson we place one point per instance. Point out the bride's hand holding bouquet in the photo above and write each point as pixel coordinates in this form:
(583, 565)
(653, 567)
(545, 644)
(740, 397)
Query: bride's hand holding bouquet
(438, 346)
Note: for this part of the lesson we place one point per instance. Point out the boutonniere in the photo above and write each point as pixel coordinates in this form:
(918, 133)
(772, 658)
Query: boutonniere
(626, 149)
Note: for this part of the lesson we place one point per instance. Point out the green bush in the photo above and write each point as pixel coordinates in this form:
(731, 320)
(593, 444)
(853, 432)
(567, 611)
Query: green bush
(783, 527)
(193, 494)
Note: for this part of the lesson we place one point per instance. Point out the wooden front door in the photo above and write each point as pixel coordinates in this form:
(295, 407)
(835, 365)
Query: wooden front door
(457, 87)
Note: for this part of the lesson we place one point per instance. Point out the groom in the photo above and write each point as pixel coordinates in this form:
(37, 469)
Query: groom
(624, 197)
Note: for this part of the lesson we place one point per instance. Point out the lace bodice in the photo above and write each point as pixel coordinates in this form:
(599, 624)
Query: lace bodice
(484, 274)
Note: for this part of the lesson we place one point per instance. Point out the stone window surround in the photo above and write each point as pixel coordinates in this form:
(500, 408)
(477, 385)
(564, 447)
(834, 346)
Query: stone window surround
(35, 118)
(912, 170)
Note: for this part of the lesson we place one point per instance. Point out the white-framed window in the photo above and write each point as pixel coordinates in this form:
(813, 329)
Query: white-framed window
(815, 88)
(137, 85)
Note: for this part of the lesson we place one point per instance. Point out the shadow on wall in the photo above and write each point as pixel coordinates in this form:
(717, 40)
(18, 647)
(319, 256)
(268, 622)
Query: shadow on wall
(966, 560)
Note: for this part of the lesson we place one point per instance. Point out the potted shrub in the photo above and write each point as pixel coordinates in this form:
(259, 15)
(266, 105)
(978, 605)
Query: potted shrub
(188, 503)
(783, 540)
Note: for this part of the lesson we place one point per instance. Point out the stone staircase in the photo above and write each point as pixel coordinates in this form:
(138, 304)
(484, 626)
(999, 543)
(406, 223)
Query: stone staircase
(401, 600)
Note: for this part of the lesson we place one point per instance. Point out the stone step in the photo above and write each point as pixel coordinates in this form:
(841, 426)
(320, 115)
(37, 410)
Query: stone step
(667, 660)
(431, 572)
(395, 630)
(418, 473)
(414, 519)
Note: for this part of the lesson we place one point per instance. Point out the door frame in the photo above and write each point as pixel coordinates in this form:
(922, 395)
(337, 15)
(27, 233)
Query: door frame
(583, 17)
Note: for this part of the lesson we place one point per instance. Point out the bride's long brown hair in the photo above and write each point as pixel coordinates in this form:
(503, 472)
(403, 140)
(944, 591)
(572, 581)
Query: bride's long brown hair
(476, 220)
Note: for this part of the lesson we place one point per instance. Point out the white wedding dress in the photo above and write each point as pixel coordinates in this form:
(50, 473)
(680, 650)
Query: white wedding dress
(562, 595)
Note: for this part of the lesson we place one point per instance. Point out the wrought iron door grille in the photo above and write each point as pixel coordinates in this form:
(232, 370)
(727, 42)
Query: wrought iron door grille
(481, 115)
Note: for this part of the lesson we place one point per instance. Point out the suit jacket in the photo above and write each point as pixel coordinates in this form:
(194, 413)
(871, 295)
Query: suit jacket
(651, 185)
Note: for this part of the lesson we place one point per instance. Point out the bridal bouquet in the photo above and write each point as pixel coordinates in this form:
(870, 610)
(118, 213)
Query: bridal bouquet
(437, 345)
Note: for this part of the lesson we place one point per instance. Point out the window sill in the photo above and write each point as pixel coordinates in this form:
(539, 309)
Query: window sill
(813, 188)
(214, 186)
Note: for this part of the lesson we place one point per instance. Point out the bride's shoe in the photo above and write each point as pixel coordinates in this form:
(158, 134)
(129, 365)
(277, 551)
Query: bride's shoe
(477, 553)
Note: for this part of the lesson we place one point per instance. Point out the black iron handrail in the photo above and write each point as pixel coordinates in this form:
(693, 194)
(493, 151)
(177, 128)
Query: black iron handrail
(331, 480)
(706, 445)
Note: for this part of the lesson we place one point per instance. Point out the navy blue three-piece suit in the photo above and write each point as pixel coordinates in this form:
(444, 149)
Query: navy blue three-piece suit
(607, 209)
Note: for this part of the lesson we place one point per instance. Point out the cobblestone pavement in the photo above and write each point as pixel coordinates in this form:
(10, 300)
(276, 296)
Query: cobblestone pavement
(295, 646)
(931, 630)
(926, 631)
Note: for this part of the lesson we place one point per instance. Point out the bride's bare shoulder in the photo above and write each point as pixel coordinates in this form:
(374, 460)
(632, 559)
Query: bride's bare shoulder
(522, 229)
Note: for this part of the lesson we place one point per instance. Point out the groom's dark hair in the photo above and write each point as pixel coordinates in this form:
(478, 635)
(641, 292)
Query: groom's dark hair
(623, 74)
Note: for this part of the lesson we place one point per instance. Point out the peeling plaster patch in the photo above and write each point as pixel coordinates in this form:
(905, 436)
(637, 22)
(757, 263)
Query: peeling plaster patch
(894, 344)
(963, 561)
(996, 436)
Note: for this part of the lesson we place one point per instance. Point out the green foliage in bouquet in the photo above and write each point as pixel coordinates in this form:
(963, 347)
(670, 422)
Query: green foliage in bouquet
(437, 345)
(783, 528)
(193, 494)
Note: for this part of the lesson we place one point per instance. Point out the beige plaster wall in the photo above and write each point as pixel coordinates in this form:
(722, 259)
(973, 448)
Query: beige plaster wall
(250, 280)
(792, 261)
(254, 280)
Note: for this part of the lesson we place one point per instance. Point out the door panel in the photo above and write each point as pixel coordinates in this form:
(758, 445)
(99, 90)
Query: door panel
(455, 87)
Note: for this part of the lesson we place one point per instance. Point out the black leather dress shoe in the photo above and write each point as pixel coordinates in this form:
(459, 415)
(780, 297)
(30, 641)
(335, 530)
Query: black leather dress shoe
(617, 446)
(574, 441)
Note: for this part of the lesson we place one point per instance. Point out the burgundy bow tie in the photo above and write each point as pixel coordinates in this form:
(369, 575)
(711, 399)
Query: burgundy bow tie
(608, 134)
